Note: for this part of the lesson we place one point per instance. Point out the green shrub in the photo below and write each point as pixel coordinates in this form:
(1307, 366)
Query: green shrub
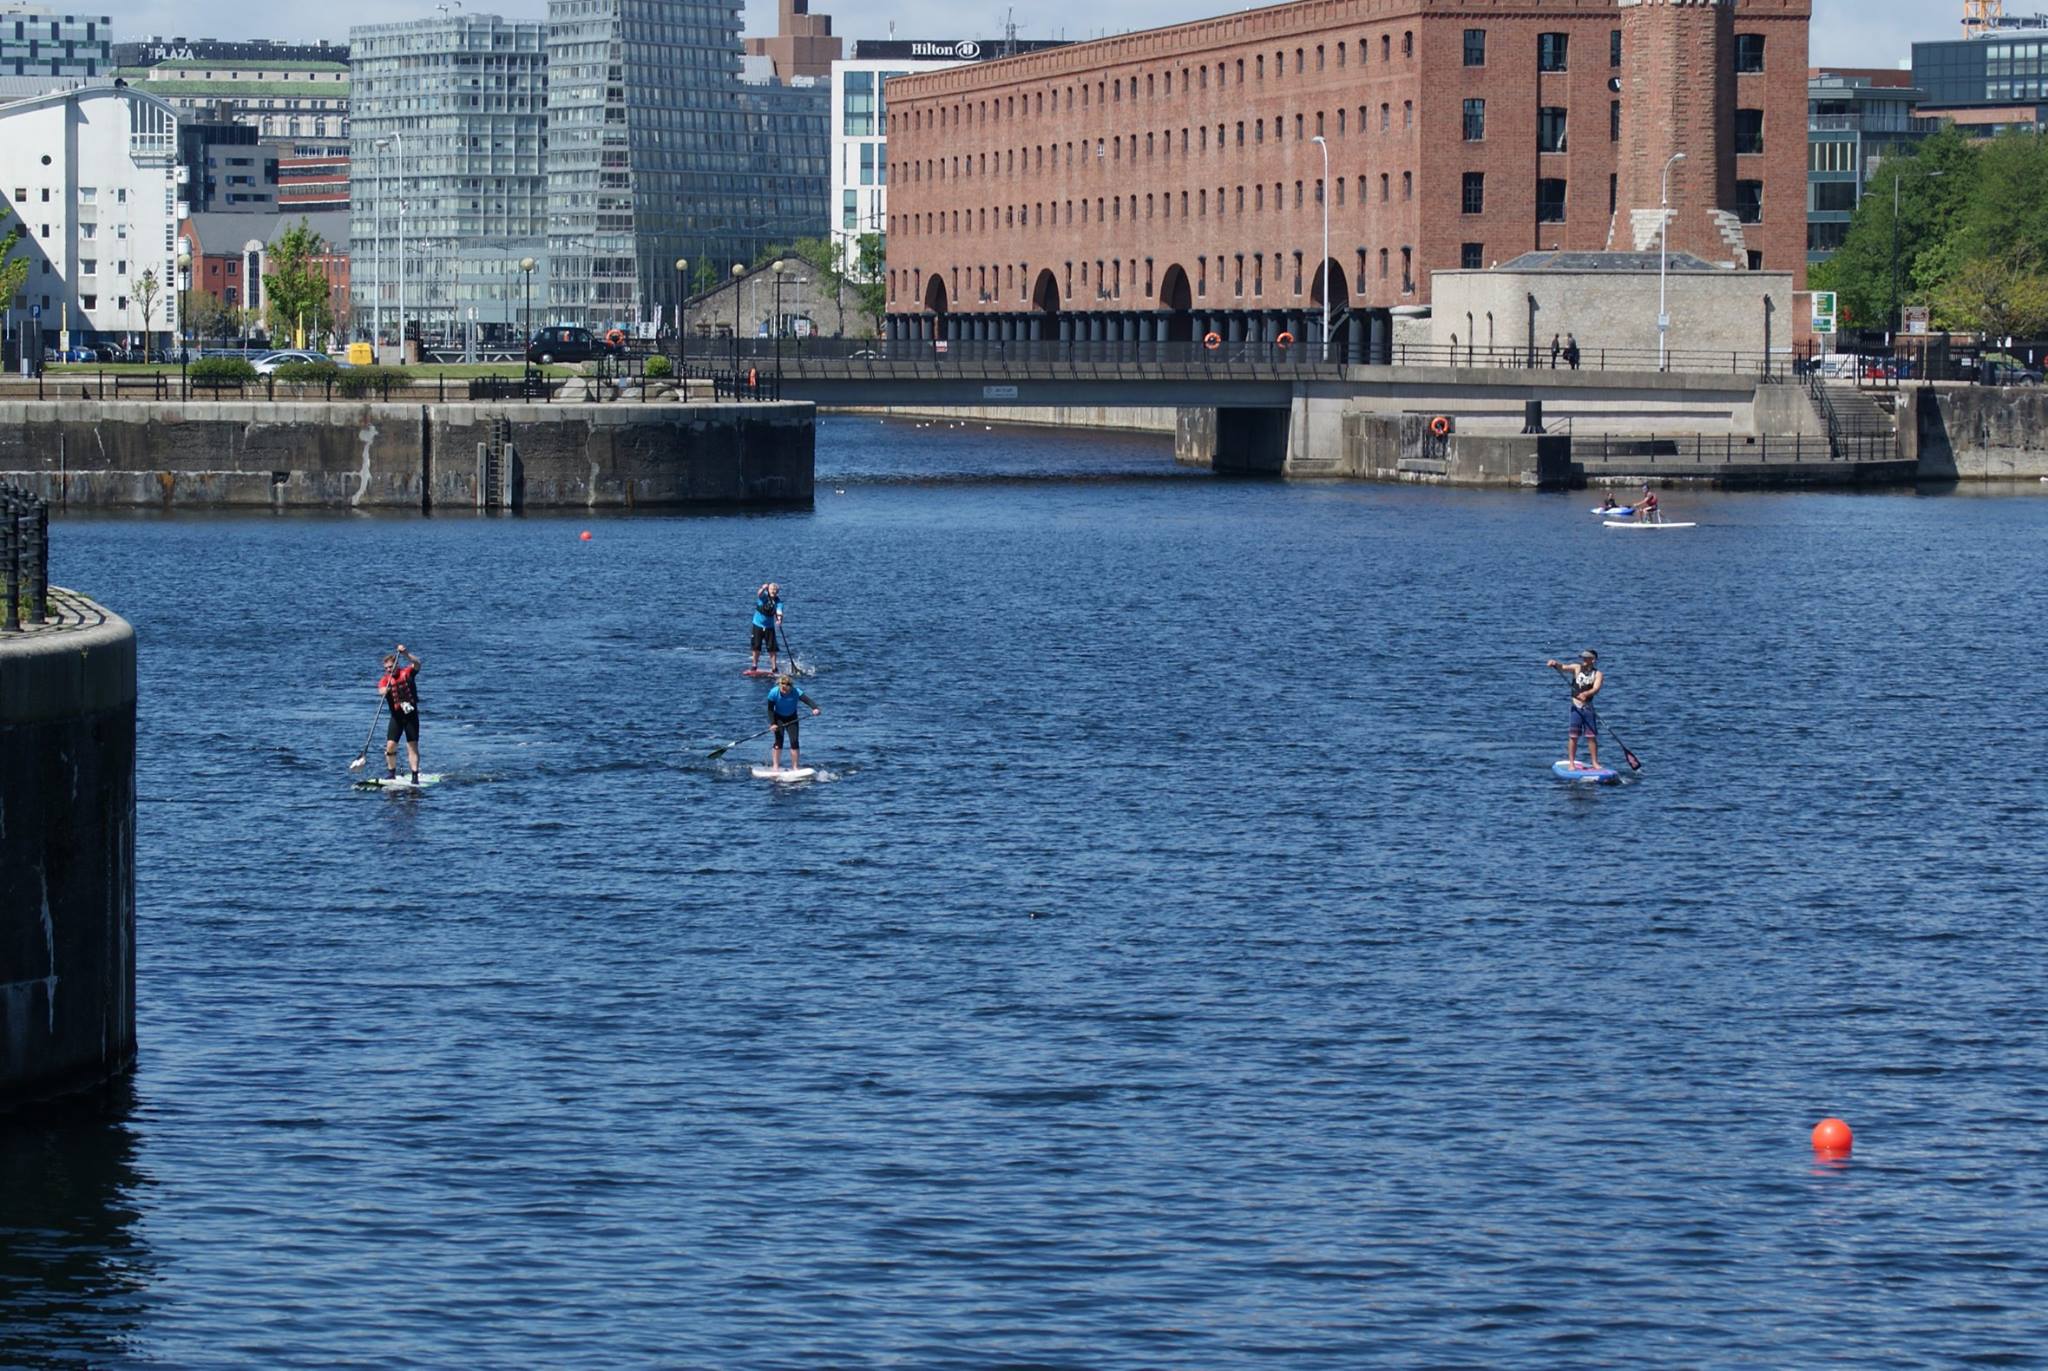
(658, 367)
(368, 380)
(222, 370)
(307, 373)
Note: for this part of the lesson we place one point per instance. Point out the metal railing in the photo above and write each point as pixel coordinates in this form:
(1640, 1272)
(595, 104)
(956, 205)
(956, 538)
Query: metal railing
(24, 557)
(1727, 449)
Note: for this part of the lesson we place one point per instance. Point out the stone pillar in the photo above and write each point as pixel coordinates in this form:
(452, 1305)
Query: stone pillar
(1678, 95)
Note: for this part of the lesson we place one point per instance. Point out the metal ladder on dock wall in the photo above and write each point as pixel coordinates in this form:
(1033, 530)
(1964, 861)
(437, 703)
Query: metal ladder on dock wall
(494, 468)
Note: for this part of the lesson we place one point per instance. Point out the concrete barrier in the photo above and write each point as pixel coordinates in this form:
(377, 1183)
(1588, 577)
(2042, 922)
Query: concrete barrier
(1975, 433)
(212, 454)
(67, 853)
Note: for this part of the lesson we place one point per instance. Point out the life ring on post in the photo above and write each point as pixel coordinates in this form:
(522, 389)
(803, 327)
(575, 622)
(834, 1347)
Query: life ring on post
(1284, 341)
(616, 338)
(1212, 341)
(1440, 426)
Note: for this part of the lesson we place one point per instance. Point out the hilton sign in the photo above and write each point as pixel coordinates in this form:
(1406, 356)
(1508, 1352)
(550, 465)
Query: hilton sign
(949, 50)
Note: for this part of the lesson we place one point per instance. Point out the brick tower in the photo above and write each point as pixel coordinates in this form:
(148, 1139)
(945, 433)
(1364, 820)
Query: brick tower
(1678, 95)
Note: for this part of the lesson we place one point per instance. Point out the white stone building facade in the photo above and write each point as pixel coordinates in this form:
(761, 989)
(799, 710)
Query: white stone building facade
(91, 174)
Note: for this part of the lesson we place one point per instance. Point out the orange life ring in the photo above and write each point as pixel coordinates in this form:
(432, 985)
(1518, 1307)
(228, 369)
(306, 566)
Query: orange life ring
(1212, 341)
(1284, 341)
(1440, 426)
(616, 338)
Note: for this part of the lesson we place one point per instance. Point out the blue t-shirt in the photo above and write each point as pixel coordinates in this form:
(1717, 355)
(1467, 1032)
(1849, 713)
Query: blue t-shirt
(766, 607)
(786, 706)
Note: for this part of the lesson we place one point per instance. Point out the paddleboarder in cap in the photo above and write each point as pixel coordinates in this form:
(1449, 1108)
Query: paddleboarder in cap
(1586, 680)
(1646, 507)
(767, 619)
(401, 692)
(786, 703)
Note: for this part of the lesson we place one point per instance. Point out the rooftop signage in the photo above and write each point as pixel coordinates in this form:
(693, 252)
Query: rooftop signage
(949, 49)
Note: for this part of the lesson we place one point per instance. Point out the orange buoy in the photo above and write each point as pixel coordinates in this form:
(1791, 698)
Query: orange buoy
(586, 535)
(1832, 1138)
(1212, 341)
(1440, 426)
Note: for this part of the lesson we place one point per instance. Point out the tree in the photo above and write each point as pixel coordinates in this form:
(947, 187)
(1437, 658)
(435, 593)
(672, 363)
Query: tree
(295, 289)
(1999, 296)
(13, 270)
(869, 264)
(1935, 188)
(145, 288)
(822, 256)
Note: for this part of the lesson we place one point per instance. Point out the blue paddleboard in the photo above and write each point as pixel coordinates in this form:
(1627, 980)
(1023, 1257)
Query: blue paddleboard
(1618, 512)
(1598, 775)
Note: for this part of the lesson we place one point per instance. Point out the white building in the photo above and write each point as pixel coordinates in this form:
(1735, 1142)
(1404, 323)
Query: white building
(860, 154)
(92, 176)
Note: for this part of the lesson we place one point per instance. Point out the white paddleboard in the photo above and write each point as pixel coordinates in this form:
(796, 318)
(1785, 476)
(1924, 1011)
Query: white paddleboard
(802, 773)
(1615, 523)
(402, 782)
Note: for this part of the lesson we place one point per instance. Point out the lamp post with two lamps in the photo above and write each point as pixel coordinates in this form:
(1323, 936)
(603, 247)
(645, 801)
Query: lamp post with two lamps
(1323, 194)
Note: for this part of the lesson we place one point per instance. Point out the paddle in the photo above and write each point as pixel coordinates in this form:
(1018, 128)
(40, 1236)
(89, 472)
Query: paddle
(1635, 763)
(368, 738)
(715, 753)
(796, 668)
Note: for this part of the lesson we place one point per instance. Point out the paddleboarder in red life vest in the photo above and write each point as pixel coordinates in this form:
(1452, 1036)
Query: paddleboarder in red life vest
(1646, 507)
(1586, 680)
(401, 692)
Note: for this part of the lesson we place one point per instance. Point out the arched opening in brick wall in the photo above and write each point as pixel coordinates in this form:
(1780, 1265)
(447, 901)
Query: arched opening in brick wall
(1177, 298)
(935, 303)
(1340, 288)
(1045, 294)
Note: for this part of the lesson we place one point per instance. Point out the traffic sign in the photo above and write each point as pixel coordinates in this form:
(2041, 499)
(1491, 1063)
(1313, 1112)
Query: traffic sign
(1826, 312)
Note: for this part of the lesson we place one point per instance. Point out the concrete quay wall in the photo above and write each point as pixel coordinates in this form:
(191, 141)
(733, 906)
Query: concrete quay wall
(67, 853)
(373, 456)
(1975, 433)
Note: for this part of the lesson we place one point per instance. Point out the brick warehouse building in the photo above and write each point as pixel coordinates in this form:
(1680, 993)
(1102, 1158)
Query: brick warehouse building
(1165, 184)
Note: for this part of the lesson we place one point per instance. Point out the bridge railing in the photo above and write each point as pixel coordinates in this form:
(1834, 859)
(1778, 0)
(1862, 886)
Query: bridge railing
(1690, 361)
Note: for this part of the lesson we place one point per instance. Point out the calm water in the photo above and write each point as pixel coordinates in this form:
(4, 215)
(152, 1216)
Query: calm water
(1188, 959)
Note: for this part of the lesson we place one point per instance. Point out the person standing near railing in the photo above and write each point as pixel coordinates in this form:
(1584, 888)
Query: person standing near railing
(1571, 351)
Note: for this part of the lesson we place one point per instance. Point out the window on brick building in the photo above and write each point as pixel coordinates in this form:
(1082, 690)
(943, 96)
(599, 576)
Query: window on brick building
(1319, 57)
(1756, 260)
(1300, 62)
(1550, 129)
(1385, 193)
(1262, 66)
(1407, 271)
(1237, 282)
(1475, 192)
(1340, 190)
(1407, 185)
(1749, 53)
(1407, 114)
(1299, 129)
(1386, 116)
(1613, 191)
(1472, 256)
(1386, 48)
(1258, 273)
(1550, 200)
(1553, 51)
(1259, 198)
(1408, 43)
(1240, 133)
(1319, 123)
(1297, 273)
(1614, 47)
(1749, 201)
(1297, 195)
(1614, 121)
(1749, 130)
(1383, 264)
(1475, 121)
(1259, 130)
(1475, 47)
(1340, 56)
(1340, 121)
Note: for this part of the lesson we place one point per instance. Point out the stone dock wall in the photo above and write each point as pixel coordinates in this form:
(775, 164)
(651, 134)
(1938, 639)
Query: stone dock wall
(374, 456)
(67, 853)
(1976, 433)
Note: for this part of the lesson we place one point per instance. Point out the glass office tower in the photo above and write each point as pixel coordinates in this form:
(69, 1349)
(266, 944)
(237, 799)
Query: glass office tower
(651, 156)
(448, 141)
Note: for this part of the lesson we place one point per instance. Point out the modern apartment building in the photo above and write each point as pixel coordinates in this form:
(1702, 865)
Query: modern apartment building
(448, 169)
(1170, 183)
(92, 176)
(1855, 120)
(1991, 82)
(37, 42)
(657, 152)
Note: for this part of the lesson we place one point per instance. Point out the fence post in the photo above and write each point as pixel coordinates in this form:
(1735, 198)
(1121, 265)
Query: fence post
(40, 600)
(10, 531)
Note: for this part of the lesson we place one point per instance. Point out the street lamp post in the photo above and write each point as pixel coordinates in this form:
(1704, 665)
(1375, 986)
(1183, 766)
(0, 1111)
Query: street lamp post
(682, 297)
(778, 268)
(738, 271)
(526, 266)
(1324, 195)
(1664, 266)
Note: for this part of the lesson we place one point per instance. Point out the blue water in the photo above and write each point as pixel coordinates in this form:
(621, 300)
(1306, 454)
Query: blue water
(1186, 959)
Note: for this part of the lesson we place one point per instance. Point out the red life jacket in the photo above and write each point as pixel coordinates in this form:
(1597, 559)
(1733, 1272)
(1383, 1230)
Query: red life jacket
(399, 689)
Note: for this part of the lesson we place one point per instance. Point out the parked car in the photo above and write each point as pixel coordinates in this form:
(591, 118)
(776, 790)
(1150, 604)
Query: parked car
(1837, 366)
(271, 361)
(2004, 369)
(567, 343)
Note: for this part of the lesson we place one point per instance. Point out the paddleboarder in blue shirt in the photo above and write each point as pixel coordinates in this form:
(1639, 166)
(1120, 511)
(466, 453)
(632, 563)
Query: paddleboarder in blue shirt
(1586, 680)
(767, 619)
(786, 703)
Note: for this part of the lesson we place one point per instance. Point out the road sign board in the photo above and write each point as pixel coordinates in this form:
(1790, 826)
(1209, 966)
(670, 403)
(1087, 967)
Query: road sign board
(1826, 311)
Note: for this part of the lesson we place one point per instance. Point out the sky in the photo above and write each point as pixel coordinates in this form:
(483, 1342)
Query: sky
(1850, 33)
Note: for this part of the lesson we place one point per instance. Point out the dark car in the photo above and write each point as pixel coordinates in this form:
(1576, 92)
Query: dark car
(566, 343)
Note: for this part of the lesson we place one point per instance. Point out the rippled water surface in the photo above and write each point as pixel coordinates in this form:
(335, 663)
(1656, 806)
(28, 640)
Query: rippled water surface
(1187, 958)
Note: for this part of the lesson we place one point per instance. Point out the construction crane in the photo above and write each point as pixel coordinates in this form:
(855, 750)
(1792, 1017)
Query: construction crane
(1981, 15)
